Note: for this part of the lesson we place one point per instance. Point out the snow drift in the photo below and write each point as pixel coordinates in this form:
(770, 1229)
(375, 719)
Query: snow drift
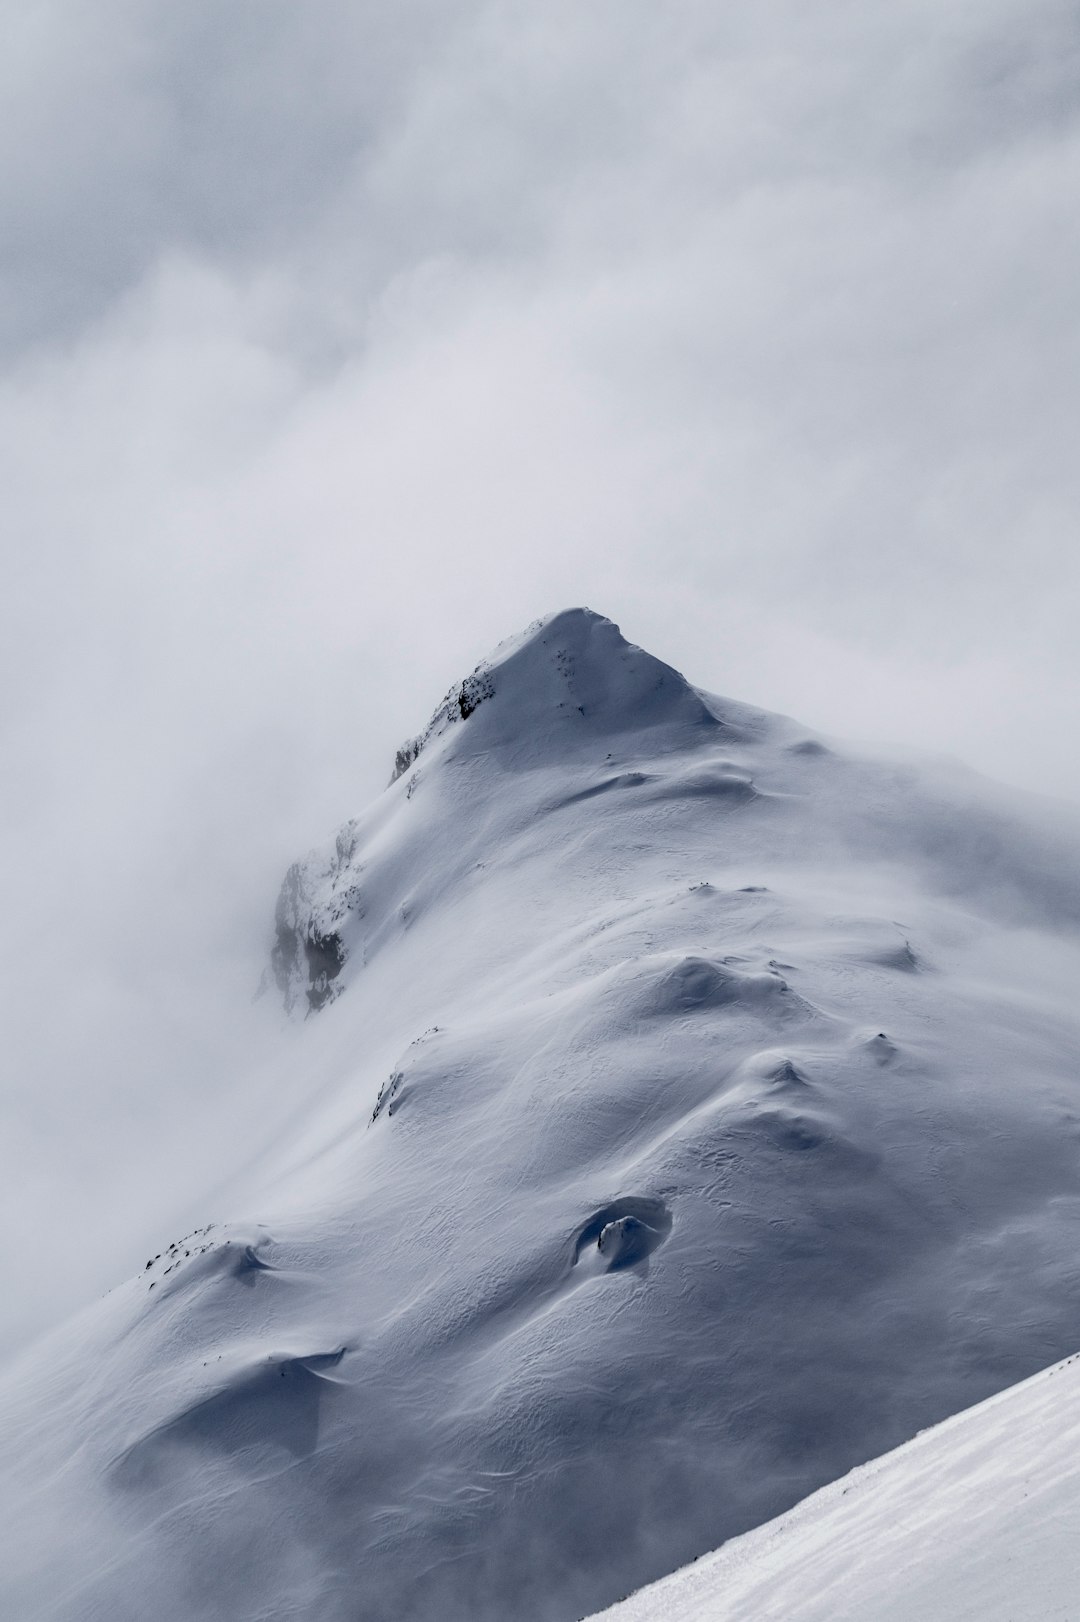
(685, 1110)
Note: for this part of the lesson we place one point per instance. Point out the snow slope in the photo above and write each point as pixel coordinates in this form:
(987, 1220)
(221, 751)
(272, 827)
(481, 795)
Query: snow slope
(977, 1520)
(684, 1111)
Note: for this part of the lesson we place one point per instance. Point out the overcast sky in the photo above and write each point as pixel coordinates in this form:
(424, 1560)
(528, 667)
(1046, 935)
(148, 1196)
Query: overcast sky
(340, 340)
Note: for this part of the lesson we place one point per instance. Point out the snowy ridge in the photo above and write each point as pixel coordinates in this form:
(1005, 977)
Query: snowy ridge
(593, 676)
(594, 684)
(974, 1521)
(688, 1113)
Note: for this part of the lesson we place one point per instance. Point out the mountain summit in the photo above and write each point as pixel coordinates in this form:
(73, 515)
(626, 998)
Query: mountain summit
(569, 691)
(564, 683)
(684, 1110)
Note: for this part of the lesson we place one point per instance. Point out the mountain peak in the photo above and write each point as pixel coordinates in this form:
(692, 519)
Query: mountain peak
(643, 1173)
(563, 683)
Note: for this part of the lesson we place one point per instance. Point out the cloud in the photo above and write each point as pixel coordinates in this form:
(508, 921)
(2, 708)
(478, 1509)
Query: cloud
(340, 342)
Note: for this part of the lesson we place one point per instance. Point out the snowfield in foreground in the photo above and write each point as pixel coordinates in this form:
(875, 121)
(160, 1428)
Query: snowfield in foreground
(684, 1111)
(978, 1520)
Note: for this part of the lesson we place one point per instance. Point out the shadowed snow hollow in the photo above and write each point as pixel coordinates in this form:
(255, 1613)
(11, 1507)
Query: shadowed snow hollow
(685, 1111)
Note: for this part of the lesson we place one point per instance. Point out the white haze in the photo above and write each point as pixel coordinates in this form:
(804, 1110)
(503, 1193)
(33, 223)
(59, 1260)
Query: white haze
(340, 341)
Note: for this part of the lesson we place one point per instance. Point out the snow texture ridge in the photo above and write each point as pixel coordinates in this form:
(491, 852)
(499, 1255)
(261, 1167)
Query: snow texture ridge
(685, 1111)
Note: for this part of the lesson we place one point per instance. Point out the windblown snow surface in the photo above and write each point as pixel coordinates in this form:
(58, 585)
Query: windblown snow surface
(976, 1521)
(684, 1112)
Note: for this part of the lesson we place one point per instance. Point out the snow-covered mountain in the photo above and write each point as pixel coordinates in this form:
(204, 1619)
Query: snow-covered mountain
(684, 1111)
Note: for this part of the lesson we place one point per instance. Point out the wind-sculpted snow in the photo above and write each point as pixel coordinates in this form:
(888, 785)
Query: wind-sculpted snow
(690, 1114)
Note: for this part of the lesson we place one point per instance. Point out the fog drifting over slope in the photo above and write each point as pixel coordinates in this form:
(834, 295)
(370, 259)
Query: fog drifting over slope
(339, 341)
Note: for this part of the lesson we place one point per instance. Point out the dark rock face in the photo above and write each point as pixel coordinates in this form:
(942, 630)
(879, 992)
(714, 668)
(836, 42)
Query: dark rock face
(460, 702)
(325, 955)
(306, 959)
(405, 757)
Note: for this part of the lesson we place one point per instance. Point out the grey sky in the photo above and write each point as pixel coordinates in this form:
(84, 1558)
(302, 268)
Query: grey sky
(340, 341)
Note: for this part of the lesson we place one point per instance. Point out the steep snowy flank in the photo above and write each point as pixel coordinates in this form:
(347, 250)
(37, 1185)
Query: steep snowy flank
(684, 1112)
(975, 1521)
